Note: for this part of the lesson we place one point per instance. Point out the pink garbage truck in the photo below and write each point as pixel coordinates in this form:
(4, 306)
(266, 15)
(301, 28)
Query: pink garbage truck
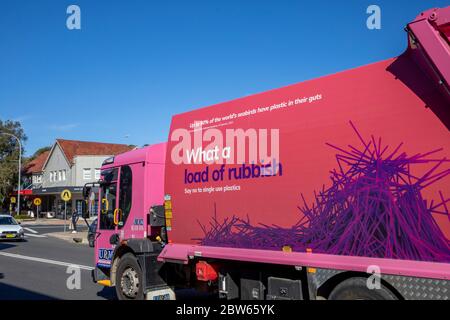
(335, 188)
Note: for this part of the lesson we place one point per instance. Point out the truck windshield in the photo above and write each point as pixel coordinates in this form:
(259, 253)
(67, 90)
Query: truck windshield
(110, 175)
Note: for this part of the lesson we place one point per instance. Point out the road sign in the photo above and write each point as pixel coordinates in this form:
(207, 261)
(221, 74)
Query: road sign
(37, 201)
(66, 195)
(13, 199)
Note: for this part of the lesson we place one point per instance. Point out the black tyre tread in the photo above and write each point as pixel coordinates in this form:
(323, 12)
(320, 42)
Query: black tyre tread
(125, 260)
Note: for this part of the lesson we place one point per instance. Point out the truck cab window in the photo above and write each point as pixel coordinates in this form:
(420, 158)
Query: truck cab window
(125, 193)
(108, 199)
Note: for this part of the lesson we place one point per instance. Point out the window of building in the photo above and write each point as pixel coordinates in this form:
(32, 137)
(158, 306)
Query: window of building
(87, 173)
(79, 206)
(64, 175)
(51, 176)
(59, 175)
(37, 178)
(97, 174)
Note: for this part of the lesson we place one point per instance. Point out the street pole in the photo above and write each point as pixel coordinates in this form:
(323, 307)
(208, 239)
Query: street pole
(65, 215)
(20, 169)
(20, 172)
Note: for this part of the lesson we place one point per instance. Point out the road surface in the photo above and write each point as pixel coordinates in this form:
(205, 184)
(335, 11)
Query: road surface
(37, 268)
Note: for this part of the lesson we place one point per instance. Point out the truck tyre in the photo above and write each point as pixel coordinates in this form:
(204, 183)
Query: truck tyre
(129, 282)
(356, 289)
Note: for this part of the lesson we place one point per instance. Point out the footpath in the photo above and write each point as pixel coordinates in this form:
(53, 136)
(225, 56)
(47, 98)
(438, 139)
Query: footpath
(79, 237)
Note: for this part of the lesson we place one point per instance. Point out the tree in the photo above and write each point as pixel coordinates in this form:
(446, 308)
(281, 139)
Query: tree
(9, 157)
(37, 153)
(40, 150)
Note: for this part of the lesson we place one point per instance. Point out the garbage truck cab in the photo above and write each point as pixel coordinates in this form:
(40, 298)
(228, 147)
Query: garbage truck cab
(130, 184)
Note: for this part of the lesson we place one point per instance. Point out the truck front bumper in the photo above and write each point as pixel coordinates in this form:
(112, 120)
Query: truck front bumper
(98, 276)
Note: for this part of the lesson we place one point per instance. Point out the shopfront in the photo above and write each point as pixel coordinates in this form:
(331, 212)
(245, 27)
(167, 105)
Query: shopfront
(54, 206)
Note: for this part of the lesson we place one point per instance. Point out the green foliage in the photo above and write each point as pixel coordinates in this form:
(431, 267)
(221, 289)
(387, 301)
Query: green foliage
(39, 151)
(9, 156)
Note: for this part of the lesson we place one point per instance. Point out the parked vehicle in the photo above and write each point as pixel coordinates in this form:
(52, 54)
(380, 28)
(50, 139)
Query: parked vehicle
(92, 232)
(10, 229)
(337, 187)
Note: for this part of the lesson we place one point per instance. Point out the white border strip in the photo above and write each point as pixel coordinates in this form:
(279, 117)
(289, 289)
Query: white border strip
(55, 262)
(31, 230)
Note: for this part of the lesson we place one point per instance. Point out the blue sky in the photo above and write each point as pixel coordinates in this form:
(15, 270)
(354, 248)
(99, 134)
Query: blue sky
(135, 63)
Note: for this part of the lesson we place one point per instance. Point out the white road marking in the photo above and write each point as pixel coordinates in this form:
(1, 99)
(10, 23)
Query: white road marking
(35, 235)
(36, 259)
(48, 227)
(31, 230)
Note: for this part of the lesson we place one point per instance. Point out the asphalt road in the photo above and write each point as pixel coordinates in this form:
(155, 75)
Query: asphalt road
(37, 268)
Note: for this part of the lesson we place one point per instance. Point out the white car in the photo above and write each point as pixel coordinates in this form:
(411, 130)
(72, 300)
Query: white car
(10, 229)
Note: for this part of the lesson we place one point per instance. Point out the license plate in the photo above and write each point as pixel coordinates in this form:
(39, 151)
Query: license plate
(10, 235)
(162, 297)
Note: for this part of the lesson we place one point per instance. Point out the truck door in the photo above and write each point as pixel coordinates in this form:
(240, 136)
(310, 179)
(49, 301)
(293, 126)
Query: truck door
(130, 220)
(106, 220)
(125, 199)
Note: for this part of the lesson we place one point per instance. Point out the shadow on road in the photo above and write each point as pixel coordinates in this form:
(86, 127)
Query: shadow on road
(8, 292)
(6, 245)
(108, 293)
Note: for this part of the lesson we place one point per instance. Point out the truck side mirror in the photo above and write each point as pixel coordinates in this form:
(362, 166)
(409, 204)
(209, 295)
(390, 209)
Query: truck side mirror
(86, 192)
(84, 210)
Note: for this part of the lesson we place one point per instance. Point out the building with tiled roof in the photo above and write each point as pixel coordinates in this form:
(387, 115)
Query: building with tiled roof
(69, 165)
(33, 169)
(35, 165)
(75, 148)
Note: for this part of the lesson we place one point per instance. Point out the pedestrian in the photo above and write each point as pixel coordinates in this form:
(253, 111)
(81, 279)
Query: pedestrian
(74, 220)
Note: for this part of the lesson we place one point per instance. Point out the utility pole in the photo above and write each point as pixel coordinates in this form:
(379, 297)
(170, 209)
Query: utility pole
(20, 168)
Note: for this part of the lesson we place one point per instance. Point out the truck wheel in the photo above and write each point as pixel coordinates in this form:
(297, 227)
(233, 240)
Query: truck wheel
(356, 289)
(129, 284)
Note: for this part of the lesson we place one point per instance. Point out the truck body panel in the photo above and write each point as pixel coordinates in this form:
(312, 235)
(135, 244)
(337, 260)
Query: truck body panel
(368, 105)
(332, 176)
(357, 163)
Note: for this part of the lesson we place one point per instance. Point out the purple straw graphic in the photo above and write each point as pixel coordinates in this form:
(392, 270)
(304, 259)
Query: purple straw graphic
(373, 208)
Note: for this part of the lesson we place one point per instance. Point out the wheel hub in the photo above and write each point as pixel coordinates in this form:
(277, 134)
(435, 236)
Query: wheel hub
(130, 283)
